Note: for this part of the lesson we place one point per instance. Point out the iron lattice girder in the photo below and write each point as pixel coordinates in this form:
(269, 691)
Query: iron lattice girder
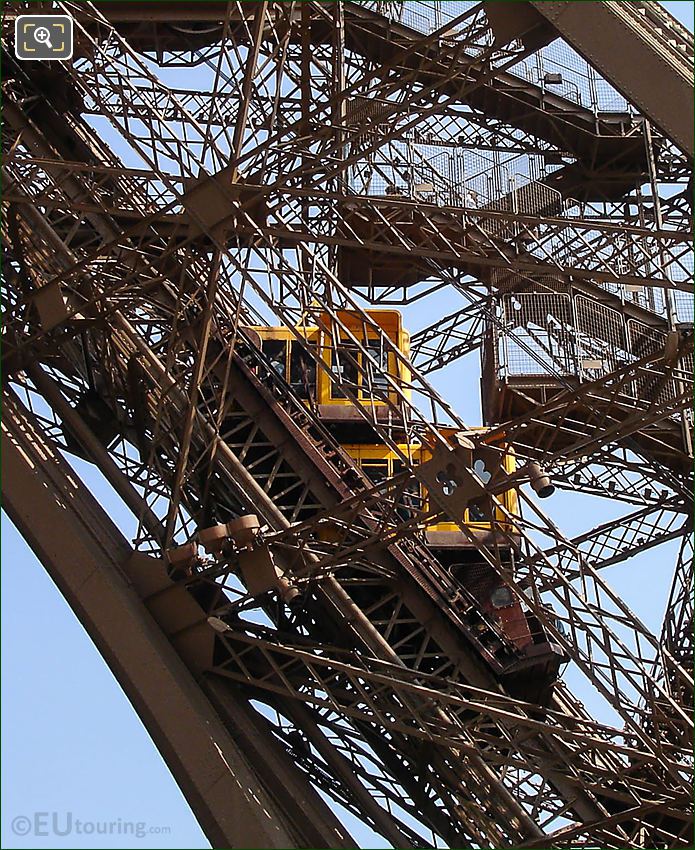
(677, 635)
(298, 674)
(163, 278)
(88, 557)
(633, 660)
(461, 332)
(533, 110)
(578, 420)
(452, 337)
(615, 541)
(434, 709)
(101, 270)
(653, 41)
(472, 239)
(624, 476)
(487, 238)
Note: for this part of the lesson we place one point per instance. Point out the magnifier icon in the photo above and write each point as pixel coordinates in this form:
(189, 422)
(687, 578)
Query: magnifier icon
(43, 36)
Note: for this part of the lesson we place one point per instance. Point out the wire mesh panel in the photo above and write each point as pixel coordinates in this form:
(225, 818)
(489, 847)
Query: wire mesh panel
(644, 341)
(562, 72)
(537, 339)
(601, 344)
(684, 306)
(421, 15)
(504, 280)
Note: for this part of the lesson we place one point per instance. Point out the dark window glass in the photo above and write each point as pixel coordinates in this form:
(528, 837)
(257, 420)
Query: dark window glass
(276, 351)
(476, 513)
(344, 368)
(302, 370)
(411, 495)
(375, 376)
(376, 470)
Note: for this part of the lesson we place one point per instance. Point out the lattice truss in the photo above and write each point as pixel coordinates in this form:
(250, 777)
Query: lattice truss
(182, 181)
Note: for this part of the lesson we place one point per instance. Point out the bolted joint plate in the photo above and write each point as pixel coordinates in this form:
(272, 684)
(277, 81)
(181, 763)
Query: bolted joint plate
(213, 206)
(450, 481)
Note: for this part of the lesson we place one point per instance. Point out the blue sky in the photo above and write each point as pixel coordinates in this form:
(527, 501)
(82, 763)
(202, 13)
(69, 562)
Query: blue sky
(72, 742)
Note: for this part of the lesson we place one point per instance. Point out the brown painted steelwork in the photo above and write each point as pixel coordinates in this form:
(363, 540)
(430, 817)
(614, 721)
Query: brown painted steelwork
(301, 178)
